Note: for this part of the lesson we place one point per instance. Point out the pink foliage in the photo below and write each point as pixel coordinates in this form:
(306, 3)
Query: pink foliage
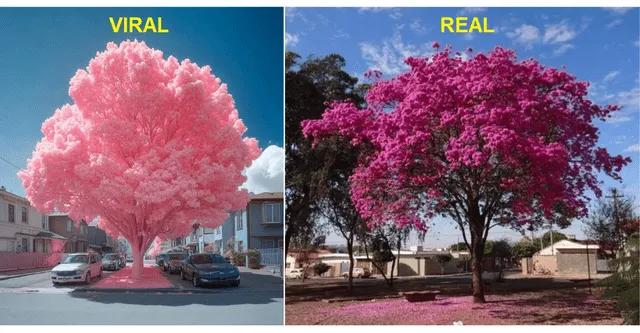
(157, 246)
(150, 145)
(57, 245)
(473, 128)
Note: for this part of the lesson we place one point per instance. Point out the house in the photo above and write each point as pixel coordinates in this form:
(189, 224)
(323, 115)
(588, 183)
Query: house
(306, 259)
(99, 241)
(75, 234)
(22, 227)
(564, 257)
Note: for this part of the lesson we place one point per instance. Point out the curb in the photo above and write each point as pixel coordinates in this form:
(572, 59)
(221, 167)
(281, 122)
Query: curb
(20, 275)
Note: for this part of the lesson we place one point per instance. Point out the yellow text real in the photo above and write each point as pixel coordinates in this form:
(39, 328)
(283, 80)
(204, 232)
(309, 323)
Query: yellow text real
(461, 25)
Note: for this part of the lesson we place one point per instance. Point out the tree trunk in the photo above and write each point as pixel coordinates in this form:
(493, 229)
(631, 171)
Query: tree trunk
(477, 253)
(351, 264)
(138, 262)
(287, 239)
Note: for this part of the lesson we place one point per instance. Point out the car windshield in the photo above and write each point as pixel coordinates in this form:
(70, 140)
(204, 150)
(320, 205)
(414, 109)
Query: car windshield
(80, 259)
(178, 257)
(208, 259)
(110, 257)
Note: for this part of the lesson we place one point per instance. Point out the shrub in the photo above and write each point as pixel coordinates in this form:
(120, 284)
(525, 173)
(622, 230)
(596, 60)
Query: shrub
(321, 268)
(254, 259)
(239, 258)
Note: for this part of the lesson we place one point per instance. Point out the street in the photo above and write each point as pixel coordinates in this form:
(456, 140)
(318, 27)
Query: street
(34, 300)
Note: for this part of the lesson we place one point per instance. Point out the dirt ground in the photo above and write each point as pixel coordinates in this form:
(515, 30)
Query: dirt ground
(551, 307)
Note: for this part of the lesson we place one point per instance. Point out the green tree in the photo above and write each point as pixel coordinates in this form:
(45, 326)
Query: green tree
(609, 220)
(622, 285)
(462, 246)
(524, 249)
(317, 184)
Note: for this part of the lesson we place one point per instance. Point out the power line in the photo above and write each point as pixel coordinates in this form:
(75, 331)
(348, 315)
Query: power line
(13, 165)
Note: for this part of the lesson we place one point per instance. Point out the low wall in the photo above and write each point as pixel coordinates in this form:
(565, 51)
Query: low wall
(11, 261)
(545, 265)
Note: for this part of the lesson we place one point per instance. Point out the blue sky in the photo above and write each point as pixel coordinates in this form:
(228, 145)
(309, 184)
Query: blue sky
(42, 48)
(597, 45)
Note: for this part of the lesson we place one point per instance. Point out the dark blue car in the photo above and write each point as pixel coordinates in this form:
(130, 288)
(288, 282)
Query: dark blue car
(209, 269)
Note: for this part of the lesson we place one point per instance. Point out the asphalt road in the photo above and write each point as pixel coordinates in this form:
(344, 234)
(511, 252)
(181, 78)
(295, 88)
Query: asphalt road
(34, 300)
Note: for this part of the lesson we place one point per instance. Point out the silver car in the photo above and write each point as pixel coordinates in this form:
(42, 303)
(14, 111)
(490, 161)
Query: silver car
(172, 262)
(77, 267)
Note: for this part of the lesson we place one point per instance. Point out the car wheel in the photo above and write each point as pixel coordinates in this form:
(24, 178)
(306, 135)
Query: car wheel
(55, 283)
(87, 279)
(359, 276)
(194, 280)
(182, 277)
(164, 268)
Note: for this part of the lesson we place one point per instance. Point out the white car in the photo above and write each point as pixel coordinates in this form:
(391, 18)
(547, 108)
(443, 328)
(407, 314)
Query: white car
(77, 267)
(295, 274)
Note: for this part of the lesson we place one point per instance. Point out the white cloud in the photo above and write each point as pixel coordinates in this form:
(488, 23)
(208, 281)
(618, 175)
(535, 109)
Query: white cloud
(417, 27)
(618, 10)
(471, 10)
(610, 76)
(636, 43)
(266, 174)
(613, 23)
(558, 33)
(526, 35)
(633, 148)
(562, 49)
(340, 34)
(468, 37)
(394, 13)
(292, 14)
(630, 99)
(290, 40)
(389, 57)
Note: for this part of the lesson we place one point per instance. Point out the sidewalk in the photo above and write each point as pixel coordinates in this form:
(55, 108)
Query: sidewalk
(262, 271)
(22, 272)
(122, 279)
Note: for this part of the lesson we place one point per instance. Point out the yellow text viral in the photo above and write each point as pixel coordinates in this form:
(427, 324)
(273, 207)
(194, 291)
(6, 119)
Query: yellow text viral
(134, 24)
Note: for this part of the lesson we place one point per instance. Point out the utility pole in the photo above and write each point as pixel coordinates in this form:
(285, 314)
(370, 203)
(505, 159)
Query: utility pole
(551, 235)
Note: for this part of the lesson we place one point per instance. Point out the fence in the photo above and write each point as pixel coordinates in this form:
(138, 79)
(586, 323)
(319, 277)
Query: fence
(271, 257)
(11, 261)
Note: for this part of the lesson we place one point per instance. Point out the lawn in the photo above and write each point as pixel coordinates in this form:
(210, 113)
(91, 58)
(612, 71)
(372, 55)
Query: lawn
(574, 306)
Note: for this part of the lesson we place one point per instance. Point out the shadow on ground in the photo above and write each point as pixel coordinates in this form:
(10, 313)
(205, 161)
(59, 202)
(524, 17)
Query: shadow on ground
(179, 299)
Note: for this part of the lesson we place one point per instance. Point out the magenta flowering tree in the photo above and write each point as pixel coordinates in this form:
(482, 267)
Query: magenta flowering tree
(488, 141)
(150, 145)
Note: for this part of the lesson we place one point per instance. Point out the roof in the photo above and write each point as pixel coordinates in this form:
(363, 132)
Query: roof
(565, 244)
(43, 234)
(268, 196)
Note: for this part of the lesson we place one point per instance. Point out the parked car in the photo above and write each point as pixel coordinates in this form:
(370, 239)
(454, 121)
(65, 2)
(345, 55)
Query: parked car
(77, 267)
(172, 262)
(160, 259)
(209, 269)
(358, 272)
(295, 274)
(111, 262)
(123, 259)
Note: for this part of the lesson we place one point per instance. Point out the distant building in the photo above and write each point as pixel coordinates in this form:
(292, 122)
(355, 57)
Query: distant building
(76, 236)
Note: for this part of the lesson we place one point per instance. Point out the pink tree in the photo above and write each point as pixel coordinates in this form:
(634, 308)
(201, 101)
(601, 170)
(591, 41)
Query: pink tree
(488, 141)
(157, 246)
(150, 145)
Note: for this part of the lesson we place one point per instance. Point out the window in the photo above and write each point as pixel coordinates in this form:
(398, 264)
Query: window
(82, 230)
(280, 244)
(12, 213)
(272, 213)
(68, 225)
(267, 243)
(44, 222)
(24, 214)
(25, 245)
(239, 222)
